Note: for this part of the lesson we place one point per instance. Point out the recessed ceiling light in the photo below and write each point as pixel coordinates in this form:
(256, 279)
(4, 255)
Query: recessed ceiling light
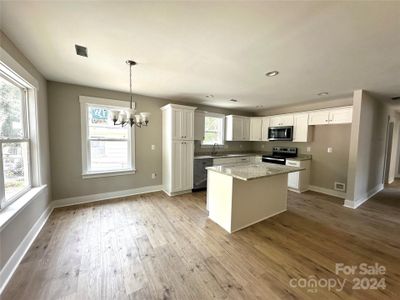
(81, 51)
(233, 100)
(323, 94)
(210, 96)
(272, 73)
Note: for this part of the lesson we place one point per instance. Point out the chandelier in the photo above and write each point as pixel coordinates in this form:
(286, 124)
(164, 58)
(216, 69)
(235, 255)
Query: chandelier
(123, 118)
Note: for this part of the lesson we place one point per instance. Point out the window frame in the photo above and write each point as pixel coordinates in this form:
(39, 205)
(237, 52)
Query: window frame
(85, 103)
(219, 116)
(14, 79)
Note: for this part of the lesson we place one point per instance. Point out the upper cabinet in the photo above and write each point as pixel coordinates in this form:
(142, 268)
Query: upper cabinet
(301, 131)
(281, 120)
(199, 118)
(340, 115)
(264, 130)
(237, 128)
(256, 125)
(182, 121)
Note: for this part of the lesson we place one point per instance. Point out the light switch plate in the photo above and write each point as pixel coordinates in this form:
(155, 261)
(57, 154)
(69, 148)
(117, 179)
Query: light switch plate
(330, 149)
(308, 149)
(153, 147)
(153, 175)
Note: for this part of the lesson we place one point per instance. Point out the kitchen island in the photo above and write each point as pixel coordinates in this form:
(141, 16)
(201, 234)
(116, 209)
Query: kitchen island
(244, 194)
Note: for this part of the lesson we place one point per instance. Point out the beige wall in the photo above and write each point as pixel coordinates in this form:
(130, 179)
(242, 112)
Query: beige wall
(367, 147)
(65, 142)
(394, 163)
(326, 168)
(16, 230)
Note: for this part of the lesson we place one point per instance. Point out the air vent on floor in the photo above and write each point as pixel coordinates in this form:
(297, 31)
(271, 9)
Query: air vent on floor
(80, 50)
(339, 186)
(396, 98)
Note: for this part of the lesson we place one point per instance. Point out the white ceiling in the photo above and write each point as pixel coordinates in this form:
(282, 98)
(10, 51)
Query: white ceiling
(187, 50)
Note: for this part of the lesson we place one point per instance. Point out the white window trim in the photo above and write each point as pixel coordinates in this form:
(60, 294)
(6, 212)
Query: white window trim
(118, 104)
(216, 115)
(29, 96)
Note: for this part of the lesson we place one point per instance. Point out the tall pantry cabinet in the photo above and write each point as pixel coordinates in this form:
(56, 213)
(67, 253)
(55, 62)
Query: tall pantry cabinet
(178, 148)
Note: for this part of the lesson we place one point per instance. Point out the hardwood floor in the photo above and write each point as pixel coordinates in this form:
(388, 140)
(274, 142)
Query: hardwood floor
(155, 247)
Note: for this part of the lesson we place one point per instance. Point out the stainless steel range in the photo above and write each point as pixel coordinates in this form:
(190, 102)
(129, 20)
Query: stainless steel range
(279, 155)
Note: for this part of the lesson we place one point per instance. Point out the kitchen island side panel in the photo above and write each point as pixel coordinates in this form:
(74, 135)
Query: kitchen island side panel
(258, 199)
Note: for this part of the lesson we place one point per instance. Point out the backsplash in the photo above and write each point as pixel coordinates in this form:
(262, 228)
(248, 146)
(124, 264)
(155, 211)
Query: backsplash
(227, 147)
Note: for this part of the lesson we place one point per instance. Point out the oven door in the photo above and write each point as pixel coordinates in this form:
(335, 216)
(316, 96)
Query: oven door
(280, 133)
(274, 160)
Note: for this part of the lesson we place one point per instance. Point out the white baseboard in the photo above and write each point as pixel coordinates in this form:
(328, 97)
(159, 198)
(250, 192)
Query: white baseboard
(105, 196)
(326, 191)
(13, 262)
(391, 180)
(177, 193)
(363, 198)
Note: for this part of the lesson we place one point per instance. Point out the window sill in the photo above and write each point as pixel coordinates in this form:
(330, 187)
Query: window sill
(108, 174)
(11, 211)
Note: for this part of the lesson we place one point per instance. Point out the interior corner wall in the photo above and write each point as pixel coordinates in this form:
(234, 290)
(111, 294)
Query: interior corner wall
(394, 159)
(367, 148)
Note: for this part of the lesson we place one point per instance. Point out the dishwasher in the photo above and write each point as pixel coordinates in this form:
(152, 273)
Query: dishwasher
(200, 173)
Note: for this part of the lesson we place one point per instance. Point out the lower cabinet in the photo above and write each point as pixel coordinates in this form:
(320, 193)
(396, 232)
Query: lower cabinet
(182, 166)
(299, 181)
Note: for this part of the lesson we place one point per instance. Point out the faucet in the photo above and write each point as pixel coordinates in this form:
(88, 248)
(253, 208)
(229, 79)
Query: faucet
(214, 150)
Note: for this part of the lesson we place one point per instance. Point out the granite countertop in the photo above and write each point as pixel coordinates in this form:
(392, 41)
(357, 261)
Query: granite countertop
(227, 155)
(253, 171)
(300, 157)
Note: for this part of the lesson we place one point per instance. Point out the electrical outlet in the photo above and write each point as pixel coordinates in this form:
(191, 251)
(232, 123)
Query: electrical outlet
(262, 146)
(153, 147)
(330, 149)
(308, 149)
(241, 146)
(153, 175)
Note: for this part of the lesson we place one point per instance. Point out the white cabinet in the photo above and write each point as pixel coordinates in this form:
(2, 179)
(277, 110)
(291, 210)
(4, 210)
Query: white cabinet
(301, 131)
(182, 166)
(177, 148)
(265, 126)
(299, 181)
(199, 118)
(281, 120)
(182, 123)
(237, 128)
(256, 129)
(340, 115)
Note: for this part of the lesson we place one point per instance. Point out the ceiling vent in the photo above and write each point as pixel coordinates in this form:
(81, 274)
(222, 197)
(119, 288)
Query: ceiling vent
(80, 50)
(396, 98)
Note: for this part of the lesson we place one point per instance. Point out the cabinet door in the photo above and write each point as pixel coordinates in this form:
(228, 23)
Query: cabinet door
(187, 124)
(187, 165)
(199, 118)
(341, 115)
(265, 125)
(255, 129)
(176, 166)
(246, 129)
(286, 120)
(275, 121)
(237, 128)
(300, 127)
(177, 116)
(318, 117)
(293, 180)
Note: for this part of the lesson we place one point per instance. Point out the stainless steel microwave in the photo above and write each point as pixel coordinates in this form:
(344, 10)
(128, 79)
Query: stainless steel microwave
(282, 133)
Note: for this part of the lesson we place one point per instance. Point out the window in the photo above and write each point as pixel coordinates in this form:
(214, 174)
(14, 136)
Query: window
(106, 149)
(15, 164)
(213, 129)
